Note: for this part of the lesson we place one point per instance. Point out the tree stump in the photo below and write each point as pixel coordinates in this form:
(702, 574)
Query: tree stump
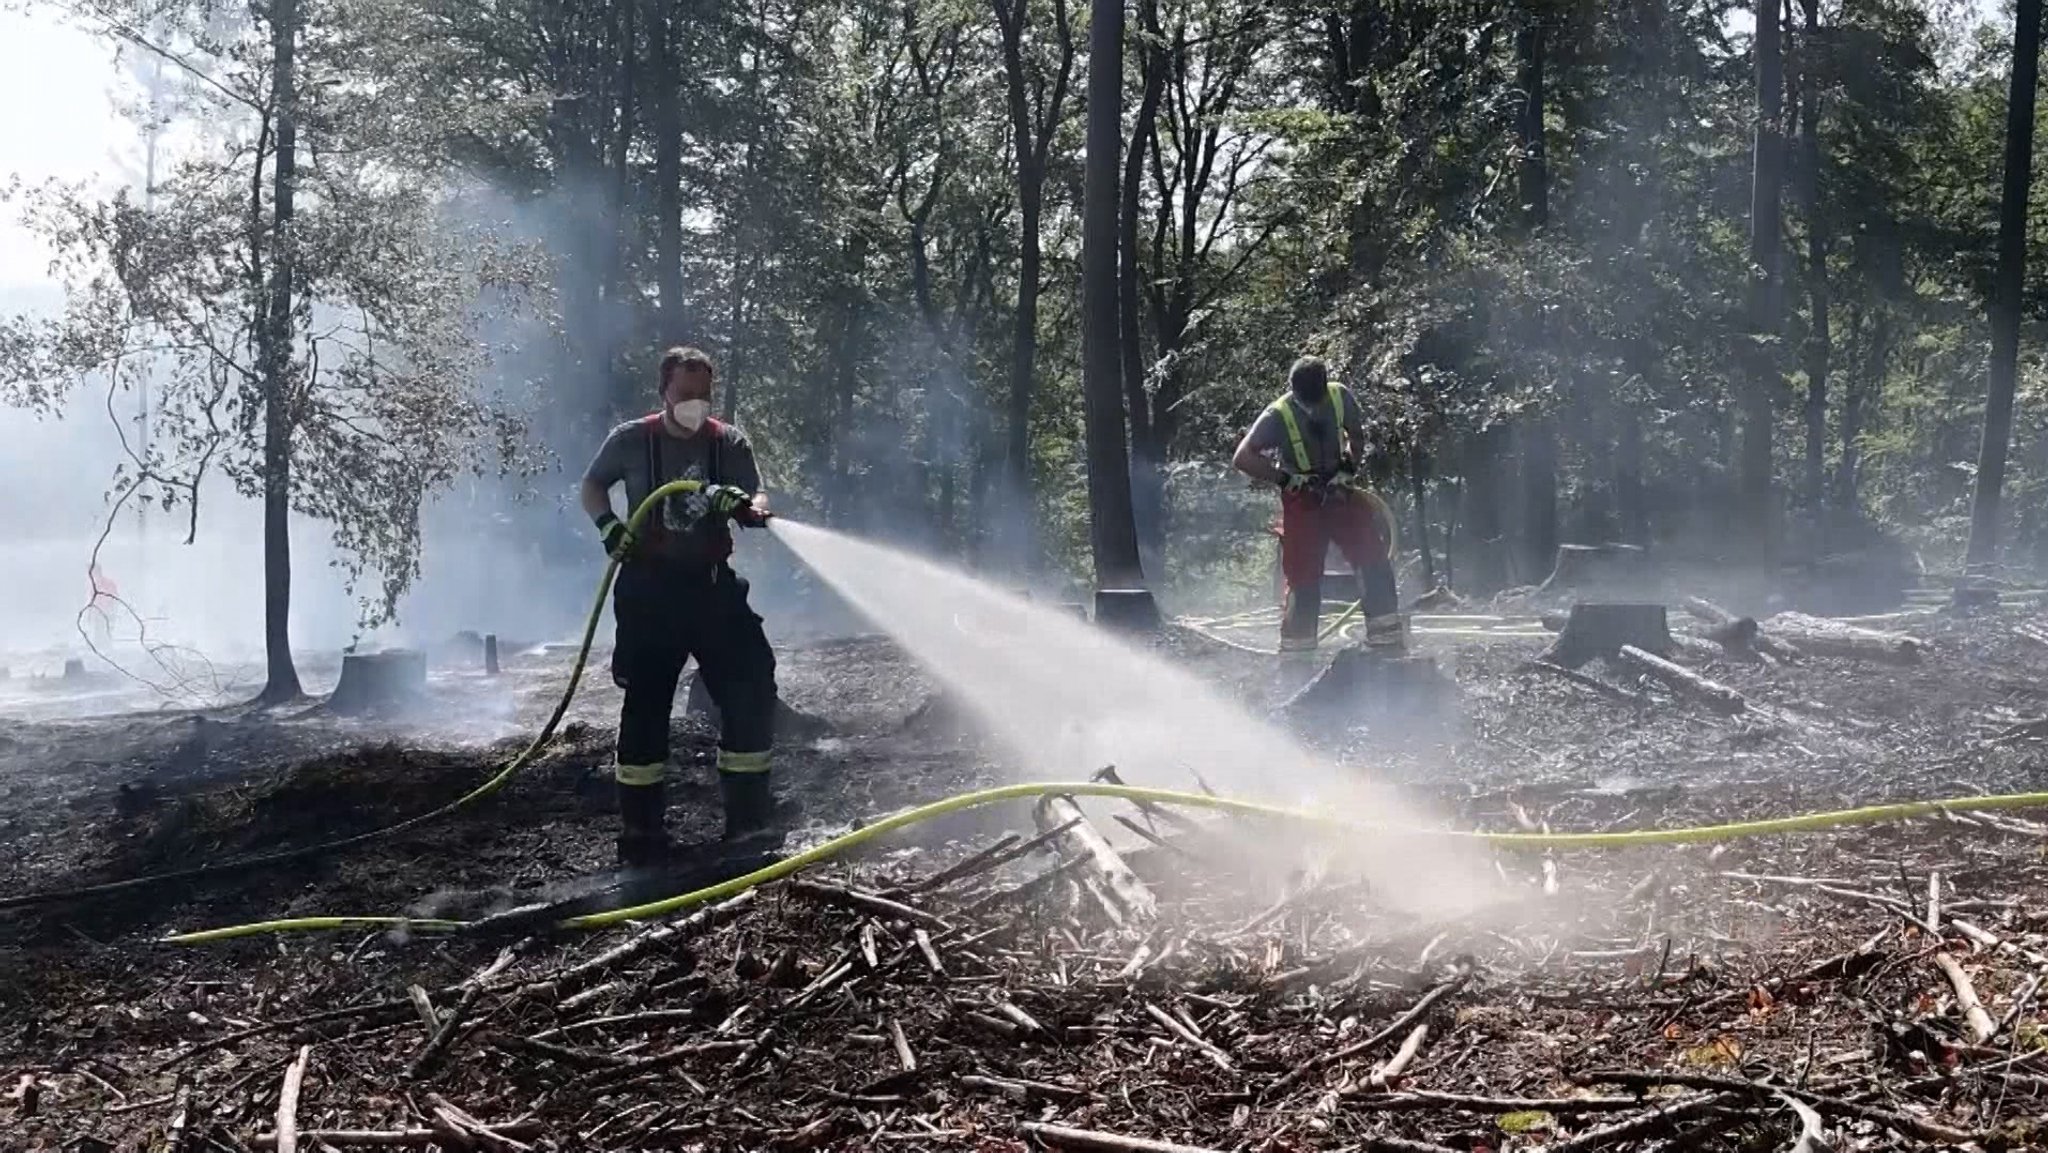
(378, 682)
(1366, 684)
(490, 654)
(1127, 610)
(1599, 630)
(74, 669)
(1587, 564)
(790, 724)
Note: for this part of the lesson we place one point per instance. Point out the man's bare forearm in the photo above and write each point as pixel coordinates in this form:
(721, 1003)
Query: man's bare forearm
(1255, 464)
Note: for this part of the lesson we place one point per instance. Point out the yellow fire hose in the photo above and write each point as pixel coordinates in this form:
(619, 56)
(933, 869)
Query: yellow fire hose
(496, 781)
(1698, 834)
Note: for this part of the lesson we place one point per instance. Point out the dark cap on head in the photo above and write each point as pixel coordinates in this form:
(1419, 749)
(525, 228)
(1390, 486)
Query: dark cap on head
(1309, 378)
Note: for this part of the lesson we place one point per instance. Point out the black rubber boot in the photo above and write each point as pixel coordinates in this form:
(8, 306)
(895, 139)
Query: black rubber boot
(749, 810)
(643, 833)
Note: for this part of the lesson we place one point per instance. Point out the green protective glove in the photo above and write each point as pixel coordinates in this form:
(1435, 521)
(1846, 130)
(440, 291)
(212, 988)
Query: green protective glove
(618, 539)
(726, 499)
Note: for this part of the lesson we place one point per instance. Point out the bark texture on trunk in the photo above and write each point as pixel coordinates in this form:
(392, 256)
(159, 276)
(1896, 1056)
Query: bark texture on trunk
(1112, 527)
(668, 173)
(282, 679)
(2008, 286)
(1820, 340)
(1148, 473)
(1756, 514)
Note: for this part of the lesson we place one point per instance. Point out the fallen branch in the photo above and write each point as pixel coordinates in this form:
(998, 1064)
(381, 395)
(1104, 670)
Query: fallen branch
(974, 865)
(1399, 1026)
(867, 902)
(1399, 1062)
(1646, 1123)
(1584, 681)
(472, 1130)
(1683, 681)
(1174, 1027)
(442, 1037)
(288, 1102)
(1981, 1026)
(1812, 1138)
(1107, 865)
(390, 1138)
(575, 977)
(1066, 1138)
(1852, 642)
(1904, 1123)
(1715, 615)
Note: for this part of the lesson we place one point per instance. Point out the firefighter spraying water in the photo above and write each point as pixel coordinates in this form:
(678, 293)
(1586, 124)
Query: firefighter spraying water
(677, 597)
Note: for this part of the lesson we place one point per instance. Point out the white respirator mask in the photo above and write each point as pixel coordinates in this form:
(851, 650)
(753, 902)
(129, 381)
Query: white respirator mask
(690, 414)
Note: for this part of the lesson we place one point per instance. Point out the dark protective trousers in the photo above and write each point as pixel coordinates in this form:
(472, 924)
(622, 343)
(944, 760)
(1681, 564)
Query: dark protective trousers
(1309, 523)
(665, 617)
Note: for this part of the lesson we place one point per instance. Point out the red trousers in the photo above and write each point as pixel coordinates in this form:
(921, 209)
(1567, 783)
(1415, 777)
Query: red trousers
(1309, 524)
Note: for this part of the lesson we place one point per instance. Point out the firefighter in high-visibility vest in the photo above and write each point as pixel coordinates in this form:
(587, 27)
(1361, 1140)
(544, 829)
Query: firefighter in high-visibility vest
(1309, 443)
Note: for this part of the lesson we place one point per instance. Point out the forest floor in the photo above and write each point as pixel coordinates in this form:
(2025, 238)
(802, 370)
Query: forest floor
(1731, 996)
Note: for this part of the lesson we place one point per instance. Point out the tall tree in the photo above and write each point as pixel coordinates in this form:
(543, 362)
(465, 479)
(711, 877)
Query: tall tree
(1767, 176)
(1148, 475)
(1819, 339)
(1037, 102)
(1113, 531)
(666, 67)
(1539, 449)
(2009, 285)
(274, 360)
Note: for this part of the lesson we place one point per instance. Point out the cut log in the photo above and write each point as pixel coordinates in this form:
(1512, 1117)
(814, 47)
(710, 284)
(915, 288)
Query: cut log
(1683, 681)
(1100, 857)
(379, 682)
(1597, 629)
(1719, 617)
(1127, 610)
(74, 669)
(1852, 642)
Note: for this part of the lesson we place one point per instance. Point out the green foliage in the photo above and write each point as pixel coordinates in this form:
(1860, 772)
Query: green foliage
(1344, 178)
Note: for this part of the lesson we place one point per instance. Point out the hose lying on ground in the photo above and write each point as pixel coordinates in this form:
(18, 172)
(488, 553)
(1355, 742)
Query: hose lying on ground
(1804, 822)
(491, 785)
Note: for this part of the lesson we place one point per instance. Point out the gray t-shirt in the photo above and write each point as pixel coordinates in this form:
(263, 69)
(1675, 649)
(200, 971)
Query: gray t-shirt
(643, 456)
(1319, 432)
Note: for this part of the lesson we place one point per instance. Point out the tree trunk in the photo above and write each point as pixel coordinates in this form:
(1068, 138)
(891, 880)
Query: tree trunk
(1539, 456)
(1628, 479)
(1755, 508)
(2007, 288)
(1112, 527)
(282, 679)
(1031, 130)
(1535, 177)
(1485, 460)
(668, 173)
(847, 351)
(1418, 484)
(1539, 493)
(1148, 473)
(1820, 340)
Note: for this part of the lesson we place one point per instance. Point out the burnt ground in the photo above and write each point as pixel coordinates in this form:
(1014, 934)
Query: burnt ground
(1698, 997)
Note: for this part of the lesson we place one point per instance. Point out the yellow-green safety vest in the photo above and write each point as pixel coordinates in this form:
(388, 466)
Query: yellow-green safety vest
(1293, 426)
